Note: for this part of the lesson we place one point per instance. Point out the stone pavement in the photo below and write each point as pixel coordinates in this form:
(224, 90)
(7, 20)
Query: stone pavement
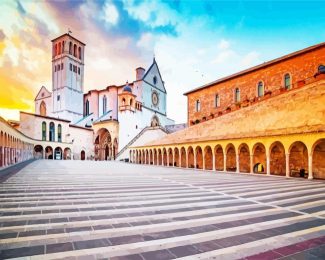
(111, 210)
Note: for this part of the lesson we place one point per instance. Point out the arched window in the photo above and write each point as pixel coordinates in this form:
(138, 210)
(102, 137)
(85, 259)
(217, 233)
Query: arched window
(197, 105)
(217, 101)
(70, 48)
(237, 95)
(104, 104)
(79, 53)
(44, 131)
(63, 47)
(59, 50)
(131, 102)
(260, 89)
(52, 132)
(287, 81)
(75, 50)
(55, 49)
(42, 109)
(59, 133)
(123, 101)
(87, 107)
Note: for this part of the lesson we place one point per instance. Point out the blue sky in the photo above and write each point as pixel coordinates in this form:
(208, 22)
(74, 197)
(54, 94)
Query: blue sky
(194, 42)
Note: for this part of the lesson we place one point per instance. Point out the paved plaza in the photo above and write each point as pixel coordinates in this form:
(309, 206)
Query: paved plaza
(112, 210)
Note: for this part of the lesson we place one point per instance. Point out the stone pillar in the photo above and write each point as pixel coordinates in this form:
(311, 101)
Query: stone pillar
(237, 163)
(287, 165)
(186, 160)
(225, 163)
(145, 158)
(194, 160)
(173, 163)
(251, 163)
(310, 167)
(213, 162)
(268, 171)
(203, 160)
(179, 159)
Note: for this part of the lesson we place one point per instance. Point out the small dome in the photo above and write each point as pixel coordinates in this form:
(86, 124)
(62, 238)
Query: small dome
(127, 88)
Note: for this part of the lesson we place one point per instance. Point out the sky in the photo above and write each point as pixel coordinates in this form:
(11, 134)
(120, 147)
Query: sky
(194, 42)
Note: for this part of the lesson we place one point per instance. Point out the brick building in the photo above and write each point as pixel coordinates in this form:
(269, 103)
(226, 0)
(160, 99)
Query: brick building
(269, 119)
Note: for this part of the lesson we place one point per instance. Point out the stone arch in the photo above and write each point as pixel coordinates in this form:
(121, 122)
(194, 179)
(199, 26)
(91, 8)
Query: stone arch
(298, 159)
(49, 152)
(155, 159)
(159, 160)
(183, 157)
(58, 154)
(230, 158)
(164, 157)
(318, 156)
(67, 154)
(38, 152)
(151, 159)
(277, 159)
(244, 158)
(259, 158)
(147, 157)
(176, 157)
(143, 158)
(219, 157)
(103, 145)
(82, 155)
(199, 157)
(75, 50)
(154, 121)
(42, 108)
(170, 157)
(208, 158)
(190, 157)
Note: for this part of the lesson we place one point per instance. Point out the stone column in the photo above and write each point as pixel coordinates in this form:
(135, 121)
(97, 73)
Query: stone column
(203, 160)
(186, 160)
(145, 158)
(251, 162)
(179, 159)
(194, 160)
(237, 163)
(173, 163)
(310, 167)
(287, 165)
(225, 163)
(268, 171)
(213, 161)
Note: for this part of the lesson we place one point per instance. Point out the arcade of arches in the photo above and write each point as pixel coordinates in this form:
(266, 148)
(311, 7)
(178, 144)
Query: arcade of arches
(289, 156)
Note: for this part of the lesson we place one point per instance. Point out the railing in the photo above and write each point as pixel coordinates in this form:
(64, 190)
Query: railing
(136, 138)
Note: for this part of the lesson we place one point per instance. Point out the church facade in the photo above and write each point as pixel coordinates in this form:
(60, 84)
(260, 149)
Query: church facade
(99, 123)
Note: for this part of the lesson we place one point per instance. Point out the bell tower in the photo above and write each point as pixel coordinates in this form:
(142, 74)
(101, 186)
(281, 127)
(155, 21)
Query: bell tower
(67, 77)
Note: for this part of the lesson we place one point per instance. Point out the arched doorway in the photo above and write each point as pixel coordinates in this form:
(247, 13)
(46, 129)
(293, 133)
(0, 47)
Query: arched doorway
(183, 157)
(219, 157)
(208, 158)
(154, 121)
(199, 157)
(151, 157)
(147, 157)
(277, 159)
(165, 157)
(244, 158)
(176, 157)
(298, 159)
(319, 159)
(38, 152)
(155, 160)
(159, 157)
(67, 154)
(170, 157)
(48, 152)
(103, 145)
(190, 156)
(58, 153)
(259, 158)
(82, 155)
(231, 158)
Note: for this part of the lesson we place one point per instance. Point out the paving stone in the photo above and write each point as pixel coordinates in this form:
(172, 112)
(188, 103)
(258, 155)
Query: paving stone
(61, 247)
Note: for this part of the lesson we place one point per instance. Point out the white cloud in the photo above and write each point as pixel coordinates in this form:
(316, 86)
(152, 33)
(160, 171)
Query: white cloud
(224, 56)
(223, 45)
(250, 59)
(146, 41)
(111, 14)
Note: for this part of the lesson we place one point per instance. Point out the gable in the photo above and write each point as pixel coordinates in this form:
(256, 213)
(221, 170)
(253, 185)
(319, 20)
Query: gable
(153, 77)
(43, 93)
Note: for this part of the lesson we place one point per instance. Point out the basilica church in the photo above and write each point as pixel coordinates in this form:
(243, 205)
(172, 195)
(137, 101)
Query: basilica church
(99, 124)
